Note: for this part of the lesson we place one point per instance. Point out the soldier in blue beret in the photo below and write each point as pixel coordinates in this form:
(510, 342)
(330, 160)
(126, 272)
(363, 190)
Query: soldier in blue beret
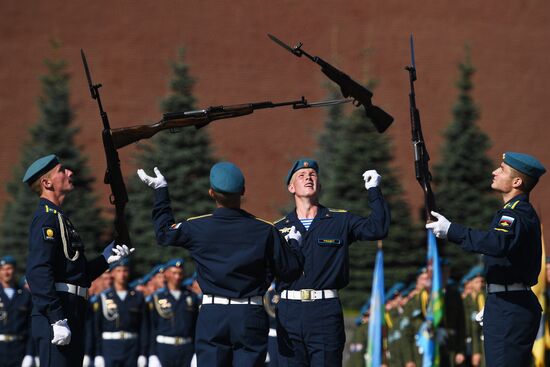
(237, 256)
(173, 317)
(57, 270)
(311, 323)
(512, 256)
(120, 322)
(16, 347)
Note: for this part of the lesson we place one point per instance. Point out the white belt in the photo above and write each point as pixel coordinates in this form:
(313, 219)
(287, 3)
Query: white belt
(308, 295)
(494, 288)
(71, 288)
(173, 340)
(208, 299)
(10, 338)
(118, 335)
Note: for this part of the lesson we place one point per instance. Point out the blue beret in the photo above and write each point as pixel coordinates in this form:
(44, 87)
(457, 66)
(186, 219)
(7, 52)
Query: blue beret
(178, 263)
(8, 260)
(39, 167)
(22, 281)
(524, 163)
(187, 282)
(122, 262)
(476, 271)
(299, 164)
(396, 288)
(226, 178)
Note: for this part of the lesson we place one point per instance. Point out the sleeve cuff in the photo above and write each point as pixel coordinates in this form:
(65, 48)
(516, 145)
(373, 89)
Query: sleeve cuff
(455, 233)
(374, 193)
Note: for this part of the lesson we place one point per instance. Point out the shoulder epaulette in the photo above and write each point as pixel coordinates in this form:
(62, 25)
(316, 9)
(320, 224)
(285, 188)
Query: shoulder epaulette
(47, 209)
(198, 217)
(337, 210)
(511, 205)
(279, 220)
(263, 220)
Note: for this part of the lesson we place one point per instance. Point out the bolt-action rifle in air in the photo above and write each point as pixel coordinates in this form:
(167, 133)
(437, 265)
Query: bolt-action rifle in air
(349, 87)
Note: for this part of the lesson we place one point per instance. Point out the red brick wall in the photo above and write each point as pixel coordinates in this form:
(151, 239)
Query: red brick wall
(130, 43)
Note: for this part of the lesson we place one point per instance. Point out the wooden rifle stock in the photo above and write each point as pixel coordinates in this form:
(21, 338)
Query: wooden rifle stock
(199, 118)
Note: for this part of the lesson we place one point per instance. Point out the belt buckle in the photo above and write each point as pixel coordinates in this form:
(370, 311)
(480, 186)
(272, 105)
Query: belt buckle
(305, 295)
(178, 340)
(123, 335)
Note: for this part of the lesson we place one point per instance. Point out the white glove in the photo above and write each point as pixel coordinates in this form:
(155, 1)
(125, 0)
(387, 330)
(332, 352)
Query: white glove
(479, 316)
(99, 361)
(61, 333)
(441, 227)
(86, 362)
(294, 235)
(142, 361)
(154, 182)
(27, 361)
(37, 361)
(114, 253)
(154, 361)
(372, 179)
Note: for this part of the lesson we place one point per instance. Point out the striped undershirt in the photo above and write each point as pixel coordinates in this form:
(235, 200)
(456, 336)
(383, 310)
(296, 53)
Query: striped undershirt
(306, 222)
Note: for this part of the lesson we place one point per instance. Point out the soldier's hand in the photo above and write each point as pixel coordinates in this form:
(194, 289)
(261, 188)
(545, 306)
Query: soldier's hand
(114, 253)
(61, 333)
(476, 360)
(479, 316)
(459, 359)
(87, 361)
(154, 361)
(154, 182)
(27, 361)
(441, 227)
(99, 361)
(142, 361)
(372, 179)
(294, 235)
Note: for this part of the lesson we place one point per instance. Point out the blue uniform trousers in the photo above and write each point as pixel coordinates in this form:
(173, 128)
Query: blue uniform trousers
(12, 353)
(510, 324)
(175, 355)
(310, 333)
(120, 353)
(74, 309)
(231, 335)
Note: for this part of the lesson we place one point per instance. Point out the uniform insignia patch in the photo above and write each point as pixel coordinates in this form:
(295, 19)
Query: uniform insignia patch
(48, 233)
(189, 301)
(175, 225)
(506, 221)
(285, 230)
(329, 242)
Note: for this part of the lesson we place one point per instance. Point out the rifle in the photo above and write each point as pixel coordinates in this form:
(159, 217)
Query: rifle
(421, 156)
(199, 118)
(113, 174)
(349, 87)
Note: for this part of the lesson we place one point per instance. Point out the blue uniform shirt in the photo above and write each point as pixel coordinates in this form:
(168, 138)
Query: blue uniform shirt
(512, 245)
(325, 244)
(171, 317)
(236, 254)
(15, 316)
(114, 314)
(47, 263)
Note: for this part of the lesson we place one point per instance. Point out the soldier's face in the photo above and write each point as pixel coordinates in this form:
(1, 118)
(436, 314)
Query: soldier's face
(60, 179)
(120, 274)
(304, 183)
(503, 179)
(6, 273)
(174, 275)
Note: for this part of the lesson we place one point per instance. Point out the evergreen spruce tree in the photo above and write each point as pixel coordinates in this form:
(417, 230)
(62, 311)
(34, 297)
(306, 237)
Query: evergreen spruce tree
(463, 176)
(53, 133)
(184, 158)
(348, 146)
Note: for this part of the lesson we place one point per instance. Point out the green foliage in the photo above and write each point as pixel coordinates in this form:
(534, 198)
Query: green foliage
(463, 175)
(53, 133)
(184, 158)
(348, 146)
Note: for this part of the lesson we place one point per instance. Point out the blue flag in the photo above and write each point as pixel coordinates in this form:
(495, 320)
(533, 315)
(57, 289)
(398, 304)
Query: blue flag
(377, 309)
